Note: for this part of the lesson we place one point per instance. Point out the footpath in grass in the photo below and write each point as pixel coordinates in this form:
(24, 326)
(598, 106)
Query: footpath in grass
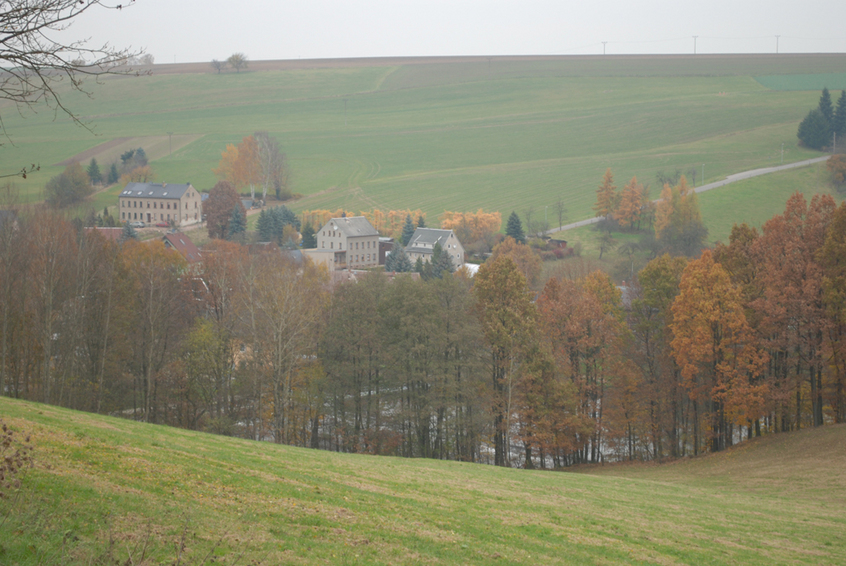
(106, 489)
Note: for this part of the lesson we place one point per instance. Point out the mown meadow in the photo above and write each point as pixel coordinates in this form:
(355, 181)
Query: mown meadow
(106, 489)
(500, 134)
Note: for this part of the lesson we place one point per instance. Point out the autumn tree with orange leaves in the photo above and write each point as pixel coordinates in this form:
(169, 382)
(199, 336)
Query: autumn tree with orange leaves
(606, 196)
(240, 165)
(629, 211)
(717, 354)
(471, 227)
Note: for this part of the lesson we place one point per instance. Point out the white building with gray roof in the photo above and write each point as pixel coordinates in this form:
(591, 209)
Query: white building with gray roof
(422, 245)
(354, 240)
(160, 202)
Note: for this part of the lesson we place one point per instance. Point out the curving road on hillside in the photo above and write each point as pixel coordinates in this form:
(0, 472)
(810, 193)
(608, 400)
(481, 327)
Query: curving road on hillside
(729, 179)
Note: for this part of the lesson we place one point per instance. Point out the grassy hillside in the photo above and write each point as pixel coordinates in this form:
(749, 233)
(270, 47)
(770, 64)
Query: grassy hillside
(504, 134)
(777, 500)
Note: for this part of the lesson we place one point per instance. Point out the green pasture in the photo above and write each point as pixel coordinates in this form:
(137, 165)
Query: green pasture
(103, 489)
(832, 81)
(501, 134)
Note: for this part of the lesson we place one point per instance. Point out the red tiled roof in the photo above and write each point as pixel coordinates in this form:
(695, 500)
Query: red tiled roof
(183, 244)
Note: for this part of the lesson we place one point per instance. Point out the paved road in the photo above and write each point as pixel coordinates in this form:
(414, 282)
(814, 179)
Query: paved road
(730, 179)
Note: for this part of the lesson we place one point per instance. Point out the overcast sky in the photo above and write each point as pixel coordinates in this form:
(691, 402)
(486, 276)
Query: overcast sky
(200, 30)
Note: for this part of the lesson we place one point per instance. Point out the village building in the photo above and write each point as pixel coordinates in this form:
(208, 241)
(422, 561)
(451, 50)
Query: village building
(422, 245)
(353, 241)
(183, 244)
(160, 202)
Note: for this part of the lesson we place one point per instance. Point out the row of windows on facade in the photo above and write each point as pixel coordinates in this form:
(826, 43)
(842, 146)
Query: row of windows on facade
(355, 259)
(134, 204)
(134, 216)
(341, 245)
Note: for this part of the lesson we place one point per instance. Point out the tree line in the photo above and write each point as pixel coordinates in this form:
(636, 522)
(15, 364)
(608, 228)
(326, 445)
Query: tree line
(694, 356)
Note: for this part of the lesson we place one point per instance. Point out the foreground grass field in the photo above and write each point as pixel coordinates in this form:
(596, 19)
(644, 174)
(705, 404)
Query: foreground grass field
(104, 489)
(459, 134)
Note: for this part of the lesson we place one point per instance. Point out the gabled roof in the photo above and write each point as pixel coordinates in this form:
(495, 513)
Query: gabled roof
(155, 190)
(183, 244)
(353, 226)
(424, 240)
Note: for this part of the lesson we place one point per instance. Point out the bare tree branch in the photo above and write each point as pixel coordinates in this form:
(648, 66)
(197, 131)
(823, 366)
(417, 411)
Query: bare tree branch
(34, 66)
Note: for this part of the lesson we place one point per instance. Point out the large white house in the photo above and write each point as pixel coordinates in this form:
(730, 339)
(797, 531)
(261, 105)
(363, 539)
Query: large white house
(160, 202)
(422, 245)
(354, 240)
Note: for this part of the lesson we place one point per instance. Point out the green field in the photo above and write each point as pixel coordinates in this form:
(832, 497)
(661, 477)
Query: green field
(503, 134)
(777, 500)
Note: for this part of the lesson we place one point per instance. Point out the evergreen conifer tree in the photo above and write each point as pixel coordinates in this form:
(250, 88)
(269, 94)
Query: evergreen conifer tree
(94, 172)
(420, 222)
(407, 231)
(398, 260)
(514, 228)
(114, 177)
(814, 130)
(128, 233)
(264, 226)
(309, 237)
(441, 262)
(237, 223)
(418, 265)
(825, 105)
(838, 124)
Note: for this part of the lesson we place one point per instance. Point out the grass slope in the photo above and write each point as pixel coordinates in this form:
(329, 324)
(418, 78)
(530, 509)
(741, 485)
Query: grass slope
(777, 500)
(504, 134)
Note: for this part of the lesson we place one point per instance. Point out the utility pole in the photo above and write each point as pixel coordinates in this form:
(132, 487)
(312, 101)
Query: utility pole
(603, 47)
(777, 44)
(170, 142)
(782, 153)
(694, 44)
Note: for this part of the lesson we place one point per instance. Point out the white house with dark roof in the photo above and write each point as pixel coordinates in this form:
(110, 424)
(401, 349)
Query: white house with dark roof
(422, 245)
(160, 202)
(354, 240)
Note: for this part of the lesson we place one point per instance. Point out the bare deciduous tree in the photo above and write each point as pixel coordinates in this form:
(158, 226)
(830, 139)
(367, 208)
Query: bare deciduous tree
(218, 65)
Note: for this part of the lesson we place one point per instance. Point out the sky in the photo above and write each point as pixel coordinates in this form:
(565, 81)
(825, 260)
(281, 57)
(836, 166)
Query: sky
(180, 31)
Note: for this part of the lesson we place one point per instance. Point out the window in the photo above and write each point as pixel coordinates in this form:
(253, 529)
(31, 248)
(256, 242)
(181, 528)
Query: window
(168, 207)
(331, 245)
(155, 204)
(356, 245)
(123, 216)
(148, 204)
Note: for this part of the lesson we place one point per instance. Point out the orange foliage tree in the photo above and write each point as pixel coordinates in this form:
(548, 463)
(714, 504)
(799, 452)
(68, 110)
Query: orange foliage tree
(631, 204)
(716, 352)
(606, 196)
(472, 226)
(527, 261)
(240, 165)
